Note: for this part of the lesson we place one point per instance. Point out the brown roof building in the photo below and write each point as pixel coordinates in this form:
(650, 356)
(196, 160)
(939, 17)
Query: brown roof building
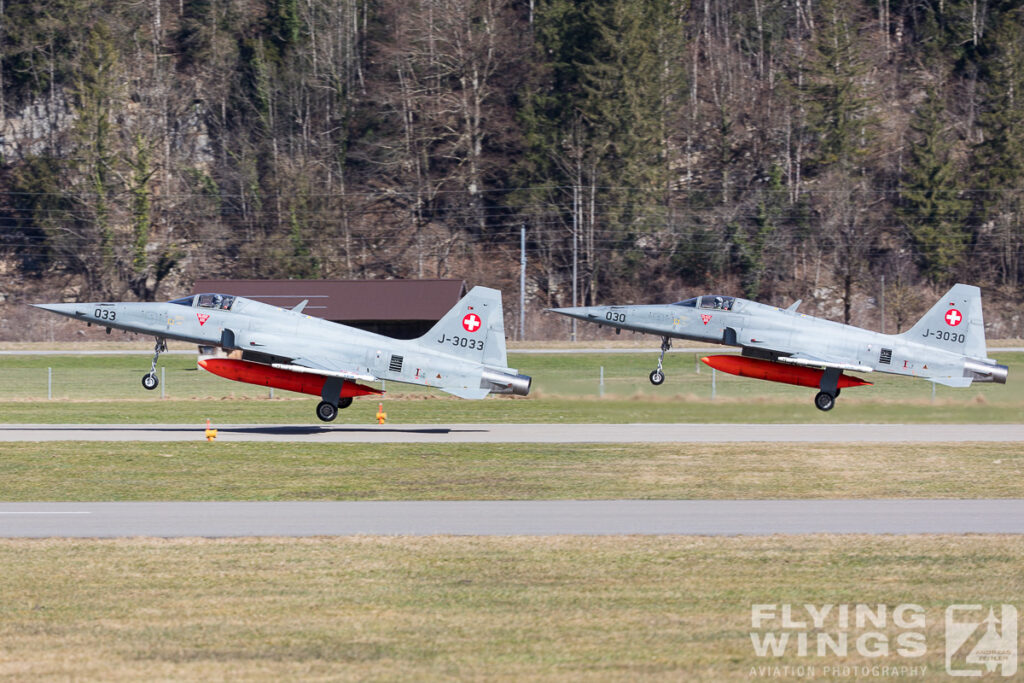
(404, 309)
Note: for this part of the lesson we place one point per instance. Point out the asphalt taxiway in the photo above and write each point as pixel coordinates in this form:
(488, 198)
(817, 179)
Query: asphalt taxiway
(523, 433)
(510, 518)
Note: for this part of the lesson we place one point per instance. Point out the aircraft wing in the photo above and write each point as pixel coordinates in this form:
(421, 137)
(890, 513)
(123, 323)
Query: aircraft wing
(311, 367)
(808, 361)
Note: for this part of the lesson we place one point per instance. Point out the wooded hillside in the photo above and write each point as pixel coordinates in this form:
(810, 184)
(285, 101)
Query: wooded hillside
(769, 149)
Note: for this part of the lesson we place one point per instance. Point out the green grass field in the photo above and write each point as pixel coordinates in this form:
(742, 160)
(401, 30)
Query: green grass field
(444, 608)
(261, 471)
(456, 608)
(106, 389)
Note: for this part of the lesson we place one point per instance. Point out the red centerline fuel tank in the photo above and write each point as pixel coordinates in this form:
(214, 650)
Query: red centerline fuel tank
(264, 375)
(758, 368)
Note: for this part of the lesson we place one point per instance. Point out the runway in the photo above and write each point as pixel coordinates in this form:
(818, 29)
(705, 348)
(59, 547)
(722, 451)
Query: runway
(508, 518)
(523, 433)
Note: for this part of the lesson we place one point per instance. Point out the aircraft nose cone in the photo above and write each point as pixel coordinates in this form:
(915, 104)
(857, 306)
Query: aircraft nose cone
(581, 312)
(70, 310)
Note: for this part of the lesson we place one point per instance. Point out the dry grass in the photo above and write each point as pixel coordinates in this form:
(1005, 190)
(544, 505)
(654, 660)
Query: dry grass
(459, 608)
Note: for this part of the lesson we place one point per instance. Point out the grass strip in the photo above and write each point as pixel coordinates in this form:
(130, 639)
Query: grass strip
(566, 389)
(92, 471)
(552, 410)
(401, 608)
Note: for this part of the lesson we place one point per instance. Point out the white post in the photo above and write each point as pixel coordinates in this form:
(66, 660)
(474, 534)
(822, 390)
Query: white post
(714, 374)
(600, 386)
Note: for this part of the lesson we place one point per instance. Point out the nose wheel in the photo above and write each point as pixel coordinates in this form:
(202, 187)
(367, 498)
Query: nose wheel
(657, 377)
(150, 380)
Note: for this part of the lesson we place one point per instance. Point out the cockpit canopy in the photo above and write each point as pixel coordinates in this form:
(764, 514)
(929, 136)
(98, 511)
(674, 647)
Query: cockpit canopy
(710, 301)
(223, 302)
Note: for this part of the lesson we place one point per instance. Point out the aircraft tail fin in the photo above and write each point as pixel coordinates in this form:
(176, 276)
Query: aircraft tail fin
(955, 323)
(473, 330)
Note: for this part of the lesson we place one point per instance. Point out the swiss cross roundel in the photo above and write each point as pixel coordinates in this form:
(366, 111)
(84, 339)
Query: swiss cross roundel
(471, 323)
(953, 317)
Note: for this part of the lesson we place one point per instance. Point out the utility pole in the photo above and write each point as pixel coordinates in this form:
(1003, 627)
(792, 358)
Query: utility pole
(522, 283)
(575, 232)
(883, 304)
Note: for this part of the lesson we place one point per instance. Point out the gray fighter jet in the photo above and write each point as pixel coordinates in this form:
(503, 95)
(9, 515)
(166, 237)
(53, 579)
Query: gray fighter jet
(946, 346)
(463, 354)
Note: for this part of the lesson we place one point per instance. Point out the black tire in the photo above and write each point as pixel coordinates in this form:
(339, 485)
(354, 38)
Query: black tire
(326, 411)
(824, 401)
(150, 381)
(657, 377)
(344, 402)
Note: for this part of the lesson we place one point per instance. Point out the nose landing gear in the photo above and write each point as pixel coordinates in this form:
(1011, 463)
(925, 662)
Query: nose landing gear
(657, 376)
(150, 380)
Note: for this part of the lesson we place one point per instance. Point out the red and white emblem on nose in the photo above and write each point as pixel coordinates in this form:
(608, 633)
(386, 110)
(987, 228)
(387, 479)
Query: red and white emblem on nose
(953, 317)
(203, 317)
(706, 317)
(471, 323)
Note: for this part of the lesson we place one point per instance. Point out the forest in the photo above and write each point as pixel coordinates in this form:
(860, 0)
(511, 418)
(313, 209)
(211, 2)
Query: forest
(843, 152)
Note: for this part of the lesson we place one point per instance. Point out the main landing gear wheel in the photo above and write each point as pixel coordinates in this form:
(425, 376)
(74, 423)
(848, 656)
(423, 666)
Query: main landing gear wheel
(150, 382)
(326, 411)
(344, 402)
(658, 376)
(824, 401)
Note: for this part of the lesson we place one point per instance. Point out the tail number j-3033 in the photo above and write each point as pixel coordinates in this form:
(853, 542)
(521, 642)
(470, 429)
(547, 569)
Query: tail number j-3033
(462, 342)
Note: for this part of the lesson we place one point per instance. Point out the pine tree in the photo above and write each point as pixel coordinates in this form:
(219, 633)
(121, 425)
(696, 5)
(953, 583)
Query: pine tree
(838, 109)
(932, 205)
(999, 158)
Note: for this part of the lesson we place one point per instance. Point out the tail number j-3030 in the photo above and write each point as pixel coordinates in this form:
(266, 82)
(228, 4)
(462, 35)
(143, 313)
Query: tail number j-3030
(945, 335)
